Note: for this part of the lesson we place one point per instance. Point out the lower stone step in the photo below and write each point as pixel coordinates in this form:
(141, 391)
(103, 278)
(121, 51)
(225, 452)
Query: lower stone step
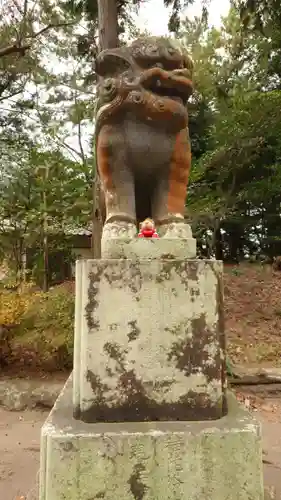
(214, 460)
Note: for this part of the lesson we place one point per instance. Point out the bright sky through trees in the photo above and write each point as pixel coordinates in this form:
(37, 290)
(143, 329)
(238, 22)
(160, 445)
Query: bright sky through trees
(154, 17)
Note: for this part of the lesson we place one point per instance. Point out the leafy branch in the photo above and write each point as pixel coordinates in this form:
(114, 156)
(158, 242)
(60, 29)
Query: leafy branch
(20, 49)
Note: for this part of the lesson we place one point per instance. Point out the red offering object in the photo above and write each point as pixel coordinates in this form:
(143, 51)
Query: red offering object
(148, 234)
(147, 229)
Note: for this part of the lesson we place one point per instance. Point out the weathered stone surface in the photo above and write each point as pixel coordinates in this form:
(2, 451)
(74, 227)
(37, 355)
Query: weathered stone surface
(118, 230)
(119, 242)
(20, 394)
(150, 248)
(177, 230)
(219, 460)
(149, 341)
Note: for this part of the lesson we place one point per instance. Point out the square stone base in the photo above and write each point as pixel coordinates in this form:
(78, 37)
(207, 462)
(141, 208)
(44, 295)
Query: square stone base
(219, 460)
(149, 248)
(149, 339)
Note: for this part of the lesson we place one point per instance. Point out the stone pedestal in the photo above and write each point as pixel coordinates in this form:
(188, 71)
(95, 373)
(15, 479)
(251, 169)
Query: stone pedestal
(149, 341)
(119, 242)
(145, 414)
(220, 460)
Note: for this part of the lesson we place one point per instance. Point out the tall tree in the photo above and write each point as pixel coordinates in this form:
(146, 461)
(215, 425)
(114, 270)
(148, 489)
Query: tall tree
(24, 29)
(108, 24)
(233, 194)
(263, 17)
(108, 39)
(263, 12)
(42, 195)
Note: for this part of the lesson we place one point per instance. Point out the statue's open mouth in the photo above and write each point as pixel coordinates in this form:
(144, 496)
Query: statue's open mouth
(171, 93)
(174, 85)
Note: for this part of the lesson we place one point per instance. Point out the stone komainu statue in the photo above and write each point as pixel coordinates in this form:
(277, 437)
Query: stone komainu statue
(142, 140)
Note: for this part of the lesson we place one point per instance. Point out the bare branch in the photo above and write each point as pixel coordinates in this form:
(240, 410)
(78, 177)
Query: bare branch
(25, 8)
(32, 10)
(72, 150)
(50, 26)
(14, 49)
(21, 49)
(11, 95)
(16, 4)
(80, 144)
(82, 153)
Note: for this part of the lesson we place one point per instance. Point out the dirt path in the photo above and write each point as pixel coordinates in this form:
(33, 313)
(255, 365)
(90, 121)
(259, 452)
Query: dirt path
(20, 446)
(19, 452)
(272, 456)
(266, 406)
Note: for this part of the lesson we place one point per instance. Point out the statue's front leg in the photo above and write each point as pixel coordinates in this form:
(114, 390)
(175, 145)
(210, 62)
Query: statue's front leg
(170, 194)
(117, 179)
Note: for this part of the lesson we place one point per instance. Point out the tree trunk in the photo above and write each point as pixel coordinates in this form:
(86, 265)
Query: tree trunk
(46, 264)
(108, 39)
(97, 220)
(45, 237)
(218, 243)
(108, 24)
(234, 238)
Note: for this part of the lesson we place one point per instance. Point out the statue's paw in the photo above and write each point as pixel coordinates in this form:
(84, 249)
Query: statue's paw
(119, 229)
(175, 230)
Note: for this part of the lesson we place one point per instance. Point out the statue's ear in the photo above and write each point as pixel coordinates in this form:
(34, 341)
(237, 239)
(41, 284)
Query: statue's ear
(112, 62)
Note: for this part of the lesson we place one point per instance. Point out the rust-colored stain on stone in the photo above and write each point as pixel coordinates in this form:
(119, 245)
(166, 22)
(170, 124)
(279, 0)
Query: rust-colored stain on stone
(173, 330)
(68, 446)
(191, 268)
(109, 372)
(132, 388)
(114, 275)
(167, 269)
(114, 351)
(194, 292)
(134, 332)
(167, 256)
(137, 487)
(134, 404)
(120, 275)
(93, 290)
(186, 270)
(191, 406)
(189, 354)
(97, 386)
(135, 277)
(100, 494)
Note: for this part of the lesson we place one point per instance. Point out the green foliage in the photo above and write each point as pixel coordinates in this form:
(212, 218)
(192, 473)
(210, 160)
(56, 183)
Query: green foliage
(262, 11)
(263, 18)
(13, 304)
(43, 337)
(25, 28)
(40, 193)
(234, 194)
